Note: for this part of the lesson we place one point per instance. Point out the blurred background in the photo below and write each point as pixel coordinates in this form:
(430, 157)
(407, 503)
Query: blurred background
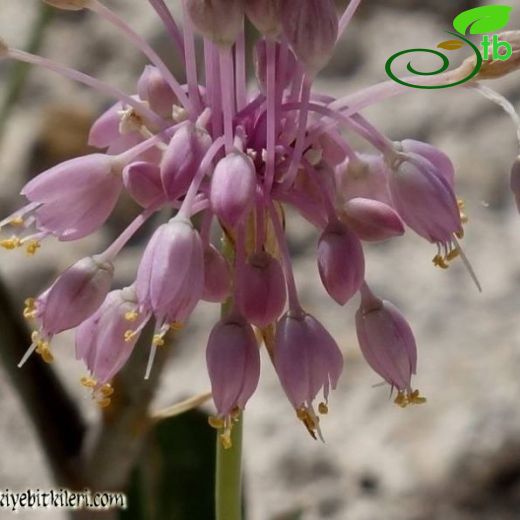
(455, 458)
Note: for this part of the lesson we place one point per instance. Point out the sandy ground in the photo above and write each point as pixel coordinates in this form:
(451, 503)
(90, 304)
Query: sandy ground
(456, 458)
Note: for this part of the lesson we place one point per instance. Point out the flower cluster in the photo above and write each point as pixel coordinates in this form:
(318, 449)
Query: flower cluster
(237, 156)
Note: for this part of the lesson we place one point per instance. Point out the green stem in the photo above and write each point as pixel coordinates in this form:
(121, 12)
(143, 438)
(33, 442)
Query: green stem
(228, 485)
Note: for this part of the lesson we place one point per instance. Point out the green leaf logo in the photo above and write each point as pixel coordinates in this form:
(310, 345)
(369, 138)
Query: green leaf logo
(482, 20)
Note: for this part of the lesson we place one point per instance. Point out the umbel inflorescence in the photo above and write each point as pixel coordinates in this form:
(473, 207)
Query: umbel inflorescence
(227, 152)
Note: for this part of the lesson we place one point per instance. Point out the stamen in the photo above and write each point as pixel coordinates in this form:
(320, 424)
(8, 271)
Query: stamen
(323, 409)
(131, 316)
(29, 311)
(216, 422)
(11, 243)
(32, 247)
(88, 382)
(104, 403)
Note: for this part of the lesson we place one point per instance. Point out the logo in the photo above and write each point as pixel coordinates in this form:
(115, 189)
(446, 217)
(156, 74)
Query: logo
(479, 21)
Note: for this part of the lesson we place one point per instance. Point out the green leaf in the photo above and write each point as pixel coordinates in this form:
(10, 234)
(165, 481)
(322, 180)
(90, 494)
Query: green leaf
(482, 20)
(451, 45)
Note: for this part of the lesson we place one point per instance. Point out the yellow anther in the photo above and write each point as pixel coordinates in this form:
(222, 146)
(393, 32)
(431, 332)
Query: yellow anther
(323, 409)
(454, 253)
(225, 439)
(41, 346)
(88, 382)
(11, 243)
(416, 398)
(216, 422)
(176, 326)
(461, 204)
(130, 335)
(46, 355)
(439, 261)
(29, 312)
(104, 403)
(17, 221)
(401, 400)
(131, 316)
(35, 336)
(309, 422)
(106, 390)
(32, 247)
(158, 340)
(460, 234)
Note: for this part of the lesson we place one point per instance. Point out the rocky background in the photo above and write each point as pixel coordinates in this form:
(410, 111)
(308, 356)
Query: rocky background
(455, 458)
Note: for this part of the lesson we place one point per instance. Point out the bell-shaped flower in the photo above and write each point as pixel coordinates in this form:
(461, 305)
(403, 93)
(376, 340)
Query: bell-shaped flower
(307, 360)
(217, 277)
(233, 361)
(388, 345)
(153, 88)
(261, 289)
(265, 15)
(142, 180)
(341, 262)
(75, 198)
(233, 188)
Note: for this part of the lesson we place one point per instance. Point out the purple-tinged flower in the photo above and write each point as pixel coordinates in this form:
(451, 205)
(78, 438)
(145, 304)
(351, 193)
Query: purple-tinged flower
(425, 200)
(372, 220)
(311, 26)
(218, 20)
(75, 198)
(261, 289)
(71, 299)
(105, 129)
(388, 345)
(341, 262)
(265, 15)
(154, 89)
(170, 278)
(307, 360)
(142, 180)
(106, 339)
(233, 360)
(217, 277)
(182, 159)
(233, 188)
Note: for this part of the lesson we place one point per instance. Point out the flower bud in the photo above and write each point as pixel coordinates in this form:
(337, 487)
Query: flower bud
(515, 181)
(219, 20)
(217, 278)
(311, 26)
(425, 200)
(182, 158)
(75, 295)
(170, 278)
(261, 290)
(439, 160)
(143, 182)
(233, 188)
(372, 220)
(233, 361)
(265, 15)
(341, 262)
(76, 197)
(102, 341)
(153, 88)
(105, 130)
(261, 65)
(386, 341)
(68, 5)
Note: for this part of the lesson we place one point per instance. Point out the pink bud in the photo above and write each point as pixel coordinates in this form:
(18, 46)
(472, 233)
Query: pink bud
(372, 220)
(425, 200)
(105, 130)
(217, 278)
(261, 289)
(102, 341)
(341, 262)
(233, 188)
(515, 181)
(332, 153)
(153, 88)
(439, 160)
(143, 182)
(386, 341)
(265, 15)
(306, 359)
(233, 361)
(261, 65)
(182, 158)
(76, 197)
(311, 26)
(170, 278)
(218, 20)
(75, 295)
